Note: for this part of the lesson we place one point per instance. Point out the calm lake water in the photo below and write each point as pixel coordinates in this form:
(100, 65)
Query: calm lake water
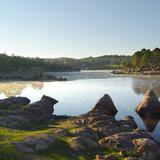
(83, 89)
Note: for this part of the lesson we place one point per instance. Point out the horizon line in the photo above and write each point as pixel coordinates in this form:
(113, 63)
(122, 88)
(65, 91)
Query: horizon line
(95, 56)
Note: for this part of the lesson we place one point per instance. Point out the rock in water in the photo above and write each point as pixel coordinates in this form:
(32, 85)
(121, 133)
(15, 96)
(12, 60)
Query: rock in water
(149, 105)
(150, 122)
(106, 104)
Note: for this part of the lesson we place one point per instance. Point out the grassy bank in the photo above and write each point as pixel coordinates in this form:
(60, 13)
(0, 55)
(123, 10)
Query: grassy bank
(60, 150)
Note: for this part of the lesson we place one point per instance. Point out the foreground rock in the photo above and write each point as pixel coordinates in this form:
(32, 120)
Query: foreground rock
(147, 149)
(123, 140)
(82, 142)
(137, 143)
(34, 113)
(97, 130)
(36, 143)
(122, 135)
(149, 106)
(98, 123)
(86, 132)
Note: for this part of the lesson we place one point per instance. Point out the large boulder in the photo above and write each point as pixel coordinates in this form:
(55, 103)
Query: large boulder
(33, 113)
(102, 119)
(138, 144)
(14, 101)
(105, 105)
(150, 105)
(102, 114)
(40, 110)
(127, 124)
(123, 140)
(147, 149)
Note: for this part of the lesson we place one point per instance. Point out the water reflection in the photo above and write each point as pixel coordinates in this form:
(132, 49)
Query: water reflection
(141, 84)
(79, 96)
(16, 88)
(150, 123)
(37, 85)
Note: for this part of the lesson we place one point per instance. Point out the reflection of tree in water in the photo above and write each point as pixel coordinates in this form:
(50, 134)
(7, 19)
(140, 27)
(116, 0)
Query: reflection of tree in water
(16, 88)
(12, 89)
(141, 84)
(37, 85)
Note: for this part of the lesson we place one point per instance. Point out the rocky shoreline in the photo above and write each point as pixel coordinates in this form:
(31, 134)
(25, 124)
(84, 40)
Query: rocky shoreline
(95, 135)
(149, 72)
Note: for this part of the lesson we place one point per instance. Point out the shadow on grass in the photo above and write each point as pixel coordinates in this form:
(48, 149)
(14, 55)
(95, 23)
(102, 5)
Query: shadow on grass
(61, 150)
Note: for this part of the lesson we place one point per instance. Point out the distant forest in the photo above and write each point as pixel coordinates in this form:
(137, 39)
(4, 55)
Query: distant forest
(18, 63)
(139, 60)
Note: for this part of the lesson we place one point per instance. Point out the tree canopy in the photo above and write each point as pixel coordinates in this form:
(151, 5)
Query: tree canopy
(146, 59)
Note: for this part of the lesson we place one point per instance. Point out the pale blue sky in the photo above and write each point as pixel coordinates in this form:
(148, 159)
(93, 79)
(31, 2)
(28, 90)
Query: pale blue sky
(78, 28)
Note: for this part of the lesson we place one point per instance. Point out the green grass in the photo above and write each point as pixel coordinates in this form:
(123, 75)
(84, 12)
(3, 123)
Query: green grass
(8, 137)
(60, 150)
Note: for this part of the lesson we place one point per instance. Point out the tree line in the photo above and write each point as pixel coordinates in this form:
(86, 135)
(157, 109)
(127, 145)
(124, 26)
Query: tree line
(145, 60)
(140, 60)
(18, 63)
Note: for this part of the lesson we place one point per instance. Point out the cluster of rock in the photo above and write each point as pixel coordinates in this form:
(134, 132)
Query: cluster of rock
(101, 129)
(16, 112)
(96, 129)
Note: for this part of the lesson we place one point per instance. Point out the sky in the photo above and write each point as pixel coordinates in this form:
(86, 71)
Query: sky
(78, 28)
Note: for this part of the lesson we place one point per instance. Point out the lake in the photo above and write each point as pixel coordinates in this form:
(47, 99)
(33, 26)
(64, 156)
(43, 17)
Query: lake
(83, 89)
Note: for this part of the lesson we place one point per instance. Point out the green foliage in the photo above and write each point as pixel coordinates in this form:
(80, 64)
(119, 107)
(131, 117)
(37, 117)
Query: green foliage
(146, 59)
(60, 150)
(21, 64)
(33, 68)
(104, 62)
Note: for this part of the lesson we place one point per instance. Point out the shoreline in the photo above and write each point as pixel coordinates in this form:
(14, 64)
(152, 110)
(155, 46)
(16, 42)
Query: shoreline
(60, 77)
(93, 135)
(136, 73)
